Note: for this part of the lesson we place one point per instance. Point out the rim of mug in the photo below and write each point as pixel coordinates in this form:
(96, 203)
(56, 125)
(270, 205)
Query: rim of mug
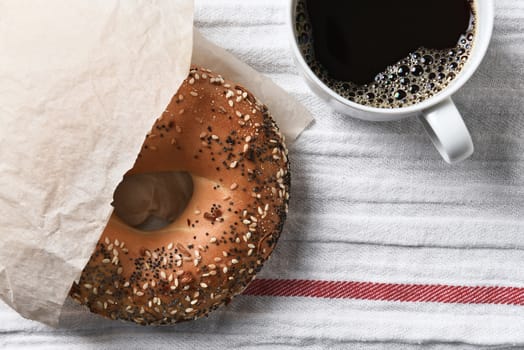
(479, 50)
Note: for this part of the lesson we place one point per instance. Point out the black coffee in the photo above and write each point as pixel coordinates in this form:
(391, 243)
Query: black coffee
(386, 53)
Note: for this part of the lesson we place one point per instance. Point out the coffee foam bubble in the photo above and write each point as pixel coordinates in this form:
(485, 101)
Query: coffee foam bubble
(415, 78)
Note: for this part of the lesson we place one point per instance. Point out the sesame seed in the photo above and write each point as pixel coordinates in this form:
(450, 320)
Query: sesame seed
(247, 117)
(181, 111)
(230, 94)
(248, 138)
(214, 137)
(173, 141)
(224, 269)
(246, 147)
(191, 81)
(197, 212)
(238, 114)
(119, 270)
(107, 240)
(140, 294)
(180, 97)
(213, 239)
(203, 134)
(218, 259)
(106, 261)
(203, 285)
(233, 186)
(145, 285)
(246, 222)
(231, 103)
(189, 310)
(193, 93)
(170, 246)
(178, 129)
(88, 286)
(251, 245)
(233, 164)
(234, 261)
(249, 252)
(224, 253)
(239, 98)
(117, 242)
(163, 274)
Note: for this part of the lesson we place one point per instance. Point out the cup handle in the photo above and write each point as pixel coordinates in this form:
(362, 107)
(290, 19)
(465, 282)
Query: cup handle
(447, 131)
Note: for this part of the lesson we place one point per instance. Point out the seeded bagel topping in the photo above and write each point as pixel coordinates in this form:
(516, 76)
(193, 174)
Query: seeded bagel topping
(226, 139)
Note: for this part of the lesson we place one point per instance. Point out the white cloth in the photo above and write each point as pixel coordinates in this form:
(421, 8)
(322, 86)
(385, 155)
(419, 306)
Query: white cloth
(370, 202)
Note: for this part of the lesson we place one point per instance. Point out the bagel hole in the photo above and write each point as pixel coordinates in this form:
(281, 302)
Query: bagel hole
(152, 201)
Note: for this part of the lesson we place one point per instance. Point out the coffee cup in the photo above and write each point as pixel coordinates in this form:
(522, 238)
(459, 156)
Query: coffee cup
(438, 114)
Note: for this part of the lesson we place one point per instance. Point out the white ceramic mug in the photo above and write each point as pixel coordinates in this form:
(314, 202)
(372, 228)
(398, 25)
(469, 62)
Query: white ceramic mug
(438, 114)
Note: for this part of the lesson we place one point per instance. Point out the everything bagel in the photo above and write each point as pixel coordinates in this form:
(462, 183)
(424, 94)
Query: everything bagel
(219, 134)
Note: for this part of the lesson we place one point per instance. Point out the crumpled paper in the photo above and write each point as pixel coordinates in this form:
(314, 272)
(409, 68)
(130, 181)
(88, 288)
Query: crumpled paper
(80, 84)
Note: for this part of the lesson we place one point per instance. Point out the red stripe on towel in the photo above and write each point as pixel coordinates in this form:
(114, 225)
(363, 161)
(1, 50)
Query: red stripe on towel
(434, 293)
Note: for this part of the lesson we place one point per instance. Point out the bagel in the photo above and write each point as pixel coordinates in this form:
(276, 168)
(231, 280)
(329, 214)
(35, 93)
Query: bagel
(228, 146)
